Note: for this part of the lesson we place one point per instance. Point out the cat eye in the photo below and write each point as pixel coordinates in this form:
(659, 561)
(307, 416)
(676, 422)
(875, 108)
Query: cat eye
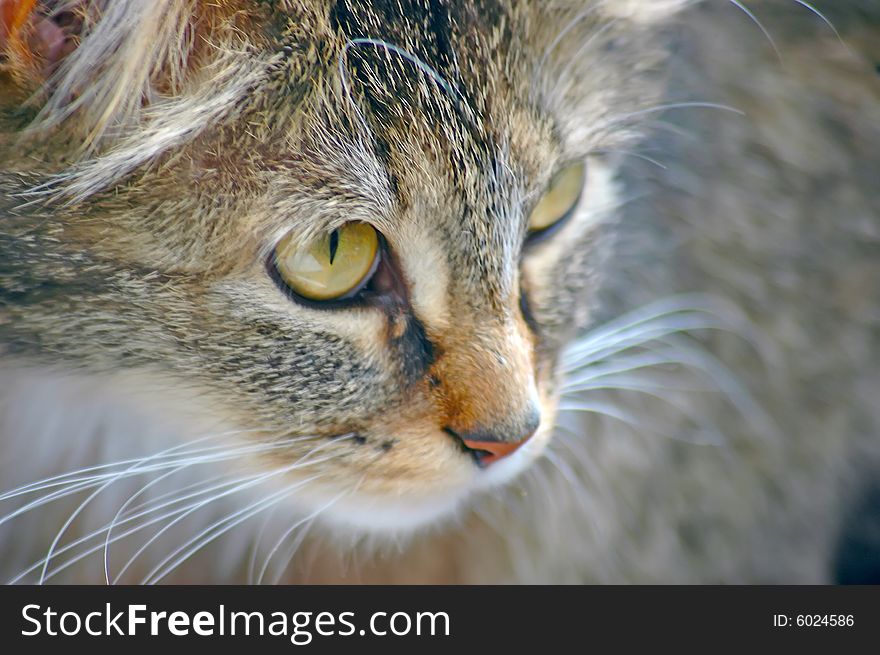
(559, 200)
(334, 267)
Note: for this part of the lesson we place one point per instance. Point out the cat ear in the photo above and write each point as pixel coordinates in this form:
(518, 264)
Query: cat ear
(128, 79)
(101, 60)
(33, 40)
(643, 11)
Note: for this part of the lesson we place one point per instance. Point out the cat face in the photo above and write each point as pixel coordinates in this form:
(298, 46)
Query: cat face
(376, 248)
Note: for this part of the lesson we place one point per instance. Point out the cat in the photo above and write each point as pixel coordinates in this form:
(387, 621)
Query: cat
(432, 291)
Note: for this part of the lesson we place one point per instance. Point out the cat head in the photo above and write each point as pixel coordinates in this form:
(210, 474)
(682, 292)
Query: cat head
(369, 228)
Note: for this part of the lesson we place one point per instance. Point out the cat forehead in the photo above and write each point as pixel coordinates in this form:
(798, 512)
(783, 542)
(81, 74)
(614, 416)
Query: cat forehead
(465, 203)
(441, 84)
(423, 129)
(453, 93)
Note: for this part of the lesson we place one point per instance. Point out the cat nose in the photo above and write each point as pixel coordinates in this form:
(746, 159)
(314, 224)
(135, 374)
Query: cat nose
(489, 452)
(488, 449)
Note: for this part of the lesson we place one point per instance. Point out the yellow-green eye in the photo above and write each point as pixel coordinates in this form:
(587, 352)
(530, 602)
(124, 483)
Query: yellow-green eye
(334, 266)
(560, 199)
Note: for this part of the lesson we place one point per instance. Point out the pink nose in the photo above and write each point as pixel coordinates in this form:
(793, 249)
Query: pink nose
(489, 452)
(485, 445)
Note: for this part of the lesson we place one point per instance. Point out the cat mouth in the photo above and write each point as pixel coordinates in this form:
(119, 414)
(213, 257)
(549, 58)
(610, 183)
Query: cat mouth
(386, 507)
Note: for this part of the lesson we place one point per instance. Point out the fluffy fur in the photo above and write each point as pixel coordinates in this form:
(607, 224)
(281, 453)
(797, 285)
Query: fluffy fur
(718, 428)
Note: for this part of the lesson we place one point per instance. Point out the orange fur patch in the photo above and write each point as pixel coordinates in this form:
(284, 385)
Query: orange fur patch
(26, 43)
(14, 14)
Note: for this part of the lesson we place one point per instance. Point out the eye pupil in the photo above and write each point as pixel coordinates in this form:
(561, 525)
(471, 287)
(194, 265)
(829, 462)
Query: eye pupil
(334, 245)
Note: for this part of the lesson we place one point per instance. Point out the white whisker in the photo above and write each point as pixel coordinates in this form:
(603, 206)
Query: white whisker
(58, 480)
(563, 467)
(558, 39)
(825, 20)
(255, 547)
(622, 118)
(646, 351)
(565, 74)
(97, 533)
(290, 530)
(125, 505)
(193, 545)
(755, 20)
(636, 155)
(82, 484)
(167, 565)
(83, 505)
(604, 344)
(247, 484)
(292, 550)
(615, 366)
(598, 407)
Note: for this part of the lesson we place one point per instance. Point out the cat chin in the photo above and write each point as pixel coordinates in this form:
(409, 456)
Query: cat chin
(392, 518)
(396, 517)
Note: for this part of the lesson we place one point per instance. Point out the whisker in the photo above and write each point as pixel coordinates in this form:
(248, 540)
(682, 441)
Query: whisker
(97, 533)
(294, 547)
(60, 479)
(188, 509)
(636, 155)
(563, 467)
(300, 463)
(539, 70)
(733, 389)
(565, 74)
(248, 450)
(755, 20)
(255, 547)
(83, 505)
(614, 375)
(603, 345)
(438, 79)
(205, 537)
(594, 406)
(450, 89)
(637, 376)
(674, 351)
(648, 351)
(89, 483)
(682, 132)
(45, 500)
(622, 118)
(614, 366)
(657, 319)
(818, 13)
(249, 483)
(706, 426)
(589, 466)
(290, 530)
(177, 496)
(125, 505)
